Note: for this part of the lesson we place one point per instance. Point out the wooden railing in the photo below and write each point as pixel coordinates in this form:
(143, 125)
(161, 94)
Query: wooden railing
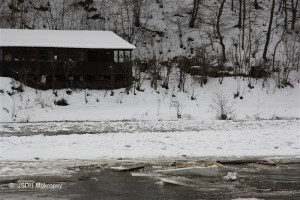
(11, 68)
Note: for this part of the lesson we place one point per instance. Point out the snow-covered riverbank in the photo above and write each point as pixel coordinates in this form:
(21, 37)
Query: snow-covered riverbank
(261, 102)
(264, 138)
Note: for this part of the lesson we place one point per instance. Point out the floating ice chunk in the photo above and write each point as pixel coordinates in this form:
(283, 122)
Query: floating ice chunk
(231, 176)
(144, 174)
(196, 171)
(169, 181)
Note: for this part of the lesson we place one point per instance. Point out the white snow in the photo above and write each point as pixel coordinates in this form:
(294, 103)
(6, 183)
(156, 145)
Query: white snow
(268, 102)
(281, 139)
(62, 39)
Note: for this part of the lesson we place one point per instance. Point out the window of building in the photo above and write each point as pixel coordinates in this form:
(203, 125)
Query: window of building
(109, 56)
(76, 55)
(45, 55)
(28, 54)
(12, 55)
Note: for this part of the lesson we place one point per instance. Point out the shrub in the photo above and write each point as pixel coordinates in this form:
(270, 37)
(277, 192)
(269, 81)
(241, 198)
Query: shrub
(222, 107)
(61, 102)
(19, 88)
(69, 92)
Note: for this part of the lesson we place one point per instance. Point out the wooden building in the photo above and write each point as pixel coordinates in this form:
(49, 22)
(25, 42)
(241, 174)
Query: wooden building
(47, 59)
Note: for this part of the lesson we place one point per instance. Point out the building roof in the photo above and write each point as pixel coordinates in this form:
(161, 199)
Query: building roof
(62, 39)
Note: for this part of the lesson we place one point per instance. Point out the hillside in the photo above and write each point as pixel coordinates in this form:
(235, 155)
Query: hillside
(253, 88)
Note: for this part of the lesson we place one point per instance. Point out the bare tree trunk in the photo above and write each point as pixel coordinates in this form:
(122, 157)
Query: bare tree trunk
(294, 13)
(219, 32)
(280, 5)
(63, 16)
(250, 40)
(244, 18)
(285, 15)
(232, 5)
(194, 13)
(269, 32)
(256, 6)
(239, 25)
(137, 12)
(274, 53)
(13, 17)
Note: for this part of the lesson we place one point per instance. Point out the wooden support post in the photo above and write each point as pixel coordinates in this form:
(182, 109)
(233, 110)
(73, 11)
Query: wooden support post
(112, 78)
(123, 56)
(130, 55)
(118, 56)
(85, 56)
(21, 54)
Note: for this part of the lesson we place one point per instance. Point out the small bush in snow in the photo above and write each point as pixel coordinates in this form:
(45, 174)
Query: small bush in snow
(61, 102)
(18, 88)
(222, 106)
(44, 102)
(10, 93)
(178, 107)
(69, 92)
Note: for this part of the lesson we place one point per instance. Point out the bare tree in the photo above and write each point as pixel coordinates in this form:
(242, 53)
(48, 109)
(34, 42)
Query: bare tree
(183, 65)
(138, 79)
(155, 69)
(219, 14)
(275, 49)
(290, 57)
(269, 32)
(285, 15)
(221, 105)
(194, 13)
(244, 19)
(16, 12)
(137, 4)
(256, 5)
(168, 65)
(68, 65)
(294, 12)
(239, 25)
(125, 22)
(13, 14)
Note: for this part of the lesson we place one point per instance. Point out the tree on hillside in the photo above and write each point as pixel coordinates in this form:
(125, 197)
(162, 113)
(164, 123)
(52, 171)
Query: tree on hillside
(256, 6)
(13, 14)
(294, 12)
(219, 14)
(16, 13)
(285, 14)
(194, 13)
(269, 32)
(244, 19)
(137, 11)
(239, 25)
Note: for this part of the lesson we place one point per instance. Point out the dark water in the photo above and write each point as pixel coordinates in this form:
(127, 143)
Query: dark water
(115, 185)
(265, 184)
(273, 183)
